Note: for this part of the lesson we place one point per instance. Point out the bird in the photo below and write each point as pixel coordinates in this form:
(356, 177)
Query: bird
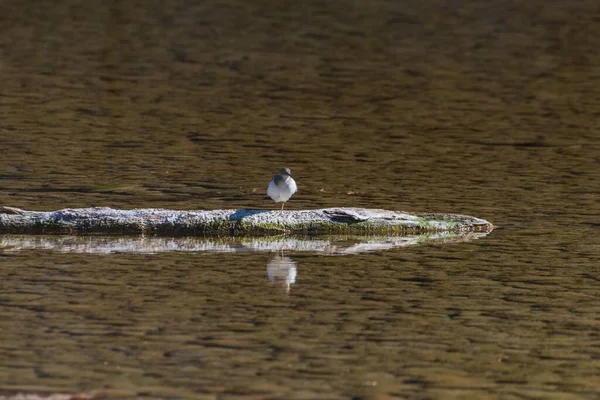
(282, 186)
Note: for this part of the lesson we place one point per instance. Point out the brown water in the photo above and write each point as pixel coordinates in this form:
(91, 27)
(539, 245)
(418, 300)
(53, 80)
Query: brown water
(476, 107)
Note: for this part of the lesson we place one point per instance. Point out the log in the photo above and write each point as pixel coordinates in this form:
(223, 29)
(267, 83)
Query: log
(242, 222)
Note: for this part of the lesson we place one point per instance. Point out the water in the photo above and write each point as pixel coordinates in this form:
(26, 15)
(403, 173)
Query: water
(487, 109)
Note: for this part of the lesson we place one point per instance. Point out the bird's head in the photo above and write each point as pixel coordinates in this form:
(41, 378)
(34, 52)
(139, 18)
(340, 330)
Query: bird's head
(285, 171)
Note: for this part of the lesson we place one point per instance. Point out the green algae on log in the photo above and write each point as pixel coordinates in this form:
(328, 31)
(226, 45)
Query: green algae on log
(243, 222)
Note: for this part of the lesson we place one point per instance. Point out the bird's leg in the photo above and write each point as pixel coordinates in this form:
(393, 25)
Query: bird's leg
(282, 204)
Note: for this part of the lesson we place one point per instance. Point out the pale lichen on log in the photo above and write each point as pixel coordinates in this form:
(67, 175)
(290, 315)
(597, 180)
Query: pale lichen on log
(242, 222)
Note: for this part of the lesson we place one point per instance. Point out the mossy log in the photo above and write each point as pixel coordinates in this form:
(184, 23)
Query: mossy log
(243, 222)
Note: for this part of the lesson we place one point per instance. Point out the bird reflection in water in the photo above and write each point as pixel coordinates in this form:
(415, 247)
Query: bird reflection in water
(282, 272)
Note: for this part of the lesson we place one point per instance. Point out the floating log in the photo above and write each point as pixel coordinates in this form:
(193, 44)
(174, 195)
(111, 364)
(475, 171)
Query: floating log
(243, 222)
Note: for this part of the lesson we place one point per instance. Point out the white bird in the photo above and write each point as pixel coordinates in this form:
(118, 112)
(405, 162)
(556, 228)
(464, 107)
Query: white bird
(282, 186)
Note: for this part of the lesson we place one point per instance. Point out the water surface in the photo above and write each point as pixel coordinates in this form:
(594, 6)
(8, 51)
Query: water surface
(475, 107)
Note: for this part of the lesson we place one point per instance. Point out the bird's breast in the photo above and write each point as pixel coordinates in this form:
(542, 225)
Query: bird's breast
(282, 190)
